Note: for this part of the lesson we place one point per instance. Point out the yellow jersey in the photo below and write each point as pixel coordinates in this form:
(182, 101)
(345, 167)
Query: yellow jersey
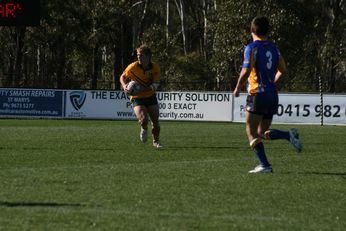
(145, 78)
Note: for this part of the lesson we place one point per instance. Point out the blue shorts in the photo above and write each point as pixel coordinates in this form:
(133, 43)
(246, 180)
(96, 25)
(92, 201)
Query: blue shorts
(265, 104)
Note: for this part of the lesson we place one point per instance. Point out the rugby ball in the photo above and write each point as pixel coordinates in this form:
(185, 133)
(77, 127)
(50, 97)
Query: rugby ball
(133, 88)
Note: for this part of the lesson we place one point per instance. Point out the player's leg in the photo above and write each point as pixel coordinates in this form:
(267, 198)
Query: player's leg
(142, 117)
(153, 111)
(265, 124)
(291, 135)
(275, 134)
(256, 107)
(252, 124)
(272, 101)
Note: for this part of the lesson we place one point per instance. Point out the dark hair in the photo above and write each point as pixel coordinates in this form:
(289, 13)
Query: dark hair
(145, 50)
(260, 26)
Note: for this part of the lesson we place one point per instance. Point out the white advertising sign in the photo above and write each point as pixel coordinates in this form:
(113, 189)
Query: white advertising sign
(97, 105)
(193, 106)
(334, 109)
(189, 106)
(239, 108)
(301, 108)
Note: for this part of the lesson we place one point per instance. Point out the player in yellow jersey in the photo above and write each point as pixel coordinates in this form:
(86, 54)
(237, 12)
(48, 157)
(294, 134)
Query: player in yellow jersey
(145, 104)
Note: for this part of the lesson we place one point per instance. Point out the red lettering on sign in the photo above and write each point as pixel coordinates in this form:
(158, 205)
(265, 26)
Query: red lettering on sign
(9, 10)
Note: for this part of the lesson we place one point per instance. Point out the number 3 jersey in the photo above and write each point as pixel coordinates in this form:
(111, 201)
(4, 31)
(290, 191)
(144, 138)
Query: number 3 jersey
(264, 60)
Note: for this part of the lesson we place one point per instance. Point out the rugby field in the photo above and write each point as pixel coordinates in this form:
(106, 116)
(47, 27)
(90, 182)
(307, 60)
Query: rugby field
(96, 175)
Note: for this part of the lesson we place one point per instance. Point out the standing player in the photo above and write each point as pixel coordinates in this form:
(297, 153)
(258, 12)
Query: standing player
(145, 104)
(263, 66)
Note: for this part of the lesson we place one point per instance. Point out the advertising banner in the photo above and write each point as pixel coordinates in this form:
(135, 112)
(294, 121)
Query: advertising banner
(334, 109)
(301, 108)
(31, 103)
(81, 104)
(182, 106)
(195, 106)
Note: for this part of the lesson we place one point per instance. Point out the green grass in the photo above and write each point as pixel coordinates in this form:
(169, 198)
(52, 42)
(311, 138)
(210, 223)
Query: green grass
(96, 175)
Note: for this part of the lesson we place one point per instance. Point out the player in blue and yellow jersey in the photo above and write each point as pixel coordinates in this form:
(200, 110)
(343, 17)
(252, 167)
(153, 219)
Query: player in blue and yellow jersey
(262, 68)
(145, 104)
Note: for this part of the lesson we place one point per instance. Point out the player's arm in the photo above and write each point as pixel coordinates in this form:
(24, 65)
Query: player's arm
(248, 63)
(281, 69)
(155, 85)
(156, 80)
(243, 76)
(147, 88)
(123, 83)
(152, 87)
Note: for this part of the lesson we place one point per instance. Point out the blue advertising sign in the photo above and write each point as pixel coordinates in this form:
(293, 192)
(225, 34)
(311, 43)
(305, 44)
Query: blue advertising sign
(31, 102)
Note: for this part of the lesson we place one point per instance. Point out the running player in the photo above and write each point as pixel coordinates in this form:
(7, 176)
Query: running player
(262, 68)
(145, 104)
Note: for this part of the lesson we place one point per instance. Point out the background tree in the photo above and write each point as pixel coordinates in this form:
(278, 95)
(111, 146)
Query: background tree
(199, 43)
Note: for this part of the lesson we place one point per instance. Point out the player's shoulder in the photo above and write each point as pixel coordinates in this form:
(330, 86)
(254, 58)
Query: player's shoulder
(133, 65)
(250, 47)
(267, 43)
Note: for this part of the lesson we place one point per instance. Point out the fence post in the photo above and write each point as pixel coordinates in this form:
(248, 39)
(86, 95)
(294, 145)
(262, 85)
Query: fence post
(321, 97)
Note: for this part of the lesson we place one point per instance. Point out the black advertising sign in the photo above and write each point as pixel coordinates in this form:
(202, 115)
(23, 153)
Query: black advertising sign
(19, 12)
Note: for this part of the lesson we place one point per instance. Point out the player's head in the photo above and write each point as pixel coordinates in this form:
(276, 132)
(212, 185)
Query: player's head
(143, 54)
(260, 26)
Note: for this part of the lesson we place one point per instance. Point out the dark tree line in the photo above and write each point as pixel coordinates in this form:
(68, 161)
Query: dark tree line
(199, 43)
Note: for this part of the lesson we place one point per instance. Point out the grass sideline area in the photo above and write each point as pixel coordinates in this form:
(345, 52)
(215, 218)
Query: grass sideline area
(96, 175)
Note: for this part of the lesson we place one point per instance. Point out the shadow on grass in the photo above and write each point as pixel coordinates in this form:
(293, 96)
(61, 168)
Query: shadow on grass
(205, 147)
(326, 173)
(57, 148)
(36, 204)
